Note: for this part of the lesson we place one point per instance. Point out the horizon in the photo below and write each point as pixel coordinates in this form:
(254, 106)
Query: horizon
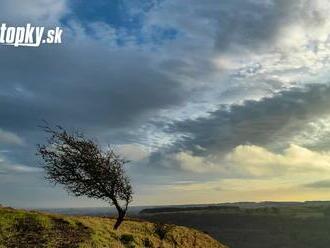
(105, 206)
(199, 204)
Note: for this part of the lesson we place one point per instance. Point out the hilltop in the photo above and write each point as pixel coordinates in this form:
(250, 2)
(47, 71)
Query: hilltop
(20, 228)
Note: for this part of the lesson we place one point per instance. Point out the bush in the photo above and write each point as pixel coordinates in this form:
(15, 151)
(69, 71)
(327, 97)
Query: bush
(127, 240)
(162, 230)
(147, 243)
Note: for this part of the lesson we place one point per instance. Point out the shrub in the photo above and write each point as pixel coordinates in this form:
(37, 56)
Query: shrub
(147, 243)
(127, 240)
(162, 230)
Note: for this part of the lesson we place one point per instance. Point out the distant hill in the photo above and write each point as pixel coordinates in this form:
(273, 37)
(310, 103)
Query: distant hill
(24, 229)
(187, 209)
(235, 206)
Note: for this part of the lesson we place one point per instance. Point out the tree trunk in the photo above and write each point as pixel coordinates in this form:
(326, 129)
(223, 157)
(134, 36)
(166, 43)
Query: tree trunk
(120, 218)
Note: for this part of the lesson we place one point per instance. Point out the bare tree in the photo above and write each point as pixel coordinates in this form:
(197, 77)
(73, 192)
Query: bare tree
(85, 169)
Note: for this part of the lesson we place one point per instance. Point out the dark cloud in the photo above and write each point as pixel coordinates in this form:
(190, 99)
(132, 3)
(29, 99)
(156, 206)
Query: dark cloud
(264, 122)
(319, 184)
(107, 93)
(88, 85)
(238, 25)
(254, 24)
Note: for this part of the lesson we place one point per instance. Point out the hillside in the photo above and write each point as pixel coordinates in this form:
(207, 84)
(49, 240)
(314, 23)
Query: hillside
(23, 229)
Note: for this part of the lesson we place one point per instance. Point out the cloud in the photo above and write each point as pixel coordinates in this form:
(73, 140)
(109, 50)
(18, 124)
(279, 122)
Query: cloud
(188, 162)
(250, 26)
(319, 184)
(250, 161)
(6, 167)
(10, 138)
(248, 48)
(284, 24)
(254, 173)
(132, 152)
(87, 84)
(245, 142)
(45, 11)
(271, 122)
(294, 160)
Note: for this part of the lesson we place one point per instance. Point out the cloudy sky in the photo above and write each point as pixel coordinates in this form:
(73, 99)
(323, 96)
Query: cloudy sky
(212, 101)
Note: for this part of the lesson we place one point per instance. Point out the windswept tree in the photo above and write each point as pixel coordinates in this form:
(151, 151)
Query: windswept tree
(85, 169)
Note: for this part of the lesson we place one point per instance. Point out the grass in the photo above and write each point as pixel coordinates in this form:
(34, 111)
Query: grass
(23, 229)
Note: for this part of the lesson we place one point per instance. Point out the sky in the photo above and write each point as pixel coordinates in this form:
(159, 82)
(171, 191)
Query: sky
(211, 101)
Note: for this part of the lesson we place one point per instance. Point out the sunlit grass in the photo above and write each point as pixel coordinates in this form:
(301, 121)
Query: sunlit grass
(33, 229)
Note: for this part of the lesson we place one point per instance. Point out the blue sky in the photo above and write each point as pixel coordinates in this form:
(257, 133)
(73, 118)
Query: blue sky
(212, 101)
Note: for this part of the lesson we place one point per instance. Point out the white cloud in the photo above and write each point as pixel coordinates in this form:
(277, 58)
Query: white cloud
(188, 162)
(10, 138)
(133, 152)
(253, 173)
(315, 134)
(7, 167)
(45, 11)
(252, 161)
(295, 160)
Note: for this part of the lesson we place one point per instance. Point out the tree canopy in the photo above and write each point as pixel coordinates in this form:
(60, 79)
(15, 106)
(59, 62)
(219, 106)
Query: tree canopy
(78, 163)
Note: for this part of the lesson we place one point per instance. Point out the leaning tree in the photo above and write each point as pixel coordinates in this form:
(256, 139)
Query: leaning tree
(85, 169)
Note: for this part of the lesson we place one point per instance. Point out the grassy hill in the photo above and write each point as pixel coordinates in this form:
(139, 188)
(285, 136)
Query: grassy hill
(23, 229)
